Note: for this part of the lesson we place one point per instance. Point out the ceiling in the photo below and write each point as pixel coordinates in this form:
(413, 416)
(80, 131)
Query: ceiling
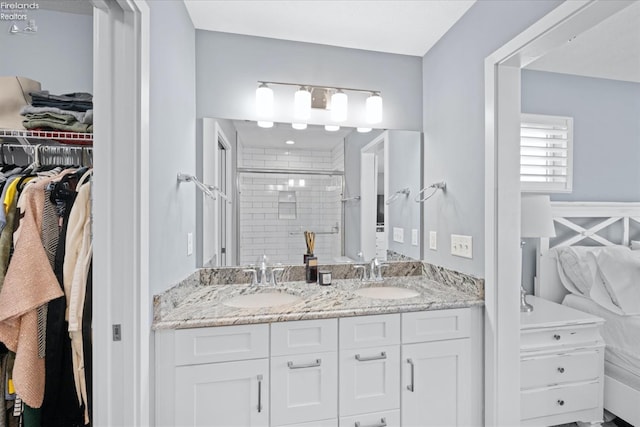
(398, 26)
(312, 138)
(609, 50)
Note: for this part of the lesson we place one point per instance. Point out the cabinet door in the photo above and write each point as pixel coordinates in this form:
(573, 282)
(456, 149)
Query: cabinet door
(434, 389)
(369, 380)
(223, 394)
(304, 388)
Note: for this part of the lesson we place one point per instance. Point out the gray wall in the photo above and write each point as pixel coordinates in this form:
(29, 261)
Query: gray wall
(606, 137)
(172, 143)
(229, 67)
(404, 171)
(59, 55)
(453, 120)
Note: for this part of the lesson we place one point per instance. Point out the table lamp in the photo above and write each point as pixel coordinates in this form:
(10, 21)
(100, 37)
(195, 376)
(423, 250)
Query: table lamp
(536, 221)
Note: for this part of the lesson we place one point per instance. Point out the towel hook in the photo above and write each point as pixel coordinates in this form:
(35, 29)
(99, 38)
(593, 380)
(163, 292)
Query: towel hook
(442, 185)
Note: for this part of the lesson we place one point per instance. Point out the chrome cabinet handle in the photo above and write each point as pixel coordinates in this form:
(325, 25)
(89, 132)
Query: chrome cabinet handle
(382, 423)
(307, 365)
(411, 387)
(561, 370)
(259, 393)
(557, 337)
(560, 402)
(382, 355)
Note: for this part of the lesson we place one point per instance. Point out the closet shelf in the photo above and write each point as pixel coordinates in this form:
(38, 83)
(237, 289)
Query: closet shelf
(25, 136)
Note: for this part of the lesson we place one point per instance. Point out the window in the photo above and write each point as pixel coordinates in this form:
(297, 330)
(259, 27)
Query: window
(546, 153)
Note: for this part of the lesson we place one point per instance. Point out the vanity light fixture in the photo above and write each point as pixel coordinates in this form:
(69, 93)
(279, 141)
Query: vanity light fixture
(308, 97)
(364, 130)
(374, 108)
(331, 128)
(299, 126)
(264, 124)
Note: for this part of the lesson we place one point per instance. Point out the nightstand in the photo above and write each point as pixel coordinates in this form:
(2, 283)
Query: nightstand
(561, 365)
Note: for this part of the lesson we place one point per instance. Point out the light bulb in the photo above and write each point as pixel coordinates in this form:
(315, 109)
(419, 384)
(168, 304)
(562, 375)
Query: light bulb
(299, 126)
(264, 101)
(331, 128)
(339, 106)
(264, 124)
(374, 108)
(302, 104)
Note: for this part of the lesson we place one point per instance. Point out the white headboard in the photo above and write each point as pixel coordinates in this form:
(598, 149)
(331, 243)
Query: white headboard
(601, 216)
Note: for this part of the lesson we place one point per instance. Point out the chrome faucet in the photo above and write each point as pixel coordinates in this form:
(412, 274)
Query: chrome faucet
(372, 272)
(262, 274)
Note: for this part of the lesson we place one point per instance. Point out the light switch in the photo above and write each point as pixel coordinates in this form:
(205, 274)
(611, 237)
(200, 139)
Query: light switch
(433, 240)
(461, 246)
(414, 236)
(398, 234)
(189, 244)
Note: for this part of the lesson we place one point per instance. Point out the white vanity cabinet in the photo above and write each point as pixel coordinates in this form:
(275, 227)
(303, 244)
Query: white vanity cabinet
(352, 371)
(437, 377)
(213, 376)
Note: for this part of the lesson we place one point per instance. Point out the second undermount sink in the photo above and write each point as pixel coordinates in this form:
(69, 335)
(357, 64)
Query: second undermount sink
(386, 292)
(262, 299)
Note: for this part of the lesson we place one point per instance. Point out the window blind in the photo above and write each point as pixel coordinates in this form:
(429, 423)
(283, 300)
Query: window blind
(546, 153)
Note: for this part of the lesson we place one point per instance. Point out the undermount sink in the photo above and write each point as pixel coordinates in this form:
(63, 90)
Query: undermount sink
(386, 292)
(262, 299)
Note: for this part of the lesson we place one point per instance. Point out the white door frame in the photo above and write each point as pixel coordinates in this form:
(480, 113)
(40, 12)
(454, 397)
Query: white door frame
(369, 191)
(121, 374)
(502, 195)
(212, 133)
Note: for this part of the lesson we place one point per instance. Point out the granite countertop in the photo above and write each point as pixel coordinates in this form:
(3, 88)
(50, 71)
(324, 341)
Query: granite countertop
(202, 306)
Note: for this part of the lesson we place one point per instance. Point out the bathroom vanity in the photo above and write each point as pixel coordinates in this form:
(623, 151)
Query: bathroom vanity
(406, 351)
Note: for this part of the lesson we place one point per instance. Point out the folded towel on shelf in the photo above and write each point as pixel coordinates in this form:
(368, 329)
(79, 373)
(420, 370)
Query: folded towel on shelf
(63, 119)
(77, 101)
(82, 117)
(52, 124)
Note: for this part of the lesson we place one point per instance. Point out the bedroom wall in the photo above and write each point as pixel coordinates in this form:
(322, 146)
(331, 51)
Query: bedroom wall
(606, 137)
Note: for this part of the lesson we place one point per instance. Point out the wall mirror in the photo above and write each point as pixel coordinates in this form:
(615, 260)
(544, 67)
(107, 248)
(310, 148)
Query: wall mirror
(356, 191)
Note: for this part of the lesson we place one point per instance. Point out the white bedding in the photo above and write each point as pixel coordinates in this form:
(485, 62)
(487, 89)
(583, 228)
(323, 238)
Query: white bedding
(621, 333)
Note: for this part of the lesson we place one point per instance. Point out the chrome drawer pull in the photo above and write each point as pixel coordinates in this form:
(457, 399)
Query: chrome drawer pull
(557, 337)
(383, 355)
(259, 393)
(411, 387)
(308, 365)
(560, 402)
(383, 423)
(561, 370)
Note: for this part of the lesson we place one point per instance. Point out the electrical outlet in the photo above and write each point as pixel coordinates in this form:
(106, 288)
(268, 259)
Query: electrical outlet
(398, 234)
(433, 240)
(414, 236)
(189, 244)
(461, 246)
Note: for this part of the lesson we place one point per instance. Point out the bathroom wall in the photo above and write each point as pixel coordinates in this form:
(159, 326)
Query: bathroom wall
(230, 65)
(454, 121)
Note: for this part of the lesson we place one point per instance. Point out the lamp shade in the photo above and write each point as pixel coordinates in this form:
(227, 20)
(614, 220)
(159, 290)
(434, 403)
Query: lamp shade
(374, 108)
(264, 101)
(536, 216)
(302, 104)
(339, 106)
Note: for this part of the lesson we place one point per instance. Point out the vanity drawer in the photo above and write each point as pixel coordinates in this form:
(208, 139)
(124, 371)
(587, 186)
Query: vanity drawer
(435, 325)
(304, 336)
(555, 369)
(560, 400)
(221, 344)
(539, 339)
(369, 331)
(378, 419)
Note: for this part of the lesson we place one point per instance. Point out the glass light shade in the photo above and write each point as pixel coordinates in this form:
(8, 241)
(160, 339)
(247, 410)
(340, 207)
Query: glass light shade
(299, 126)
(264, 124)
(302, 104)
(374, 108)
(339, 106)
(364, 130)
(331, 128)
(264, 101)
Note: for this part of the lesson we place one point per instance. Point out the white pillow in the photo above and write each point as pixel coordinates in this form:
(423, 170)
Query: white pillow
(577, 269)
(618, 273)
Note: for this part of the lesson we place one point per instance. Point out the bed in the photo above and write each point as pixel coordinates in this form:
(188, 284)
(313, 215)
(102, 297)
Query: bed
(614, 226)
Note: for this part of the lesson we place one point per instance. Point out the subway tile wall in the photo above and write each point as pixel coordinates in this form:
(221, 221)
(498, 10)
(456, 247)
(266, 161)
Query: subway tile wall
(266, 221)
